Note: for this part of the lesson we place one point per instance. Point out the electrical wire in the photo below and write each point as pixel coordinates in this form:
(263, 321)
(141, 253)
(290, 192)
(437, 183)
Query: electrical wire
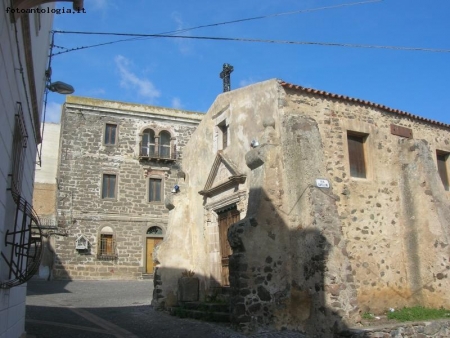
(327, 44)
(219, 24)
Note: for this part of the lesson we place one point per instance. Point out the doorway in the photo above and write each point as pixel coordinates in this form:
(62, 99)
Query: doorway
(154, 237)
(225, 219)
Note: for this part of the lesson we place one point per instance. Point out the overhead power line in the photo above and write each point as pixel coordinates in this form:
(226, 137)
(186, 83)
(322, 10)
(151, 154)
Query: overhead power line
(328, 44)
(221, 24)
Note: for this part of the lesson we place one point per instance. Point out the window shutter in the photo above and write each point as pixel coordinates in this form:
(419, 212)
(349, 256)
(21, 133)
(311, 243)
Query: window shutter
(442, 168)
(356, 156)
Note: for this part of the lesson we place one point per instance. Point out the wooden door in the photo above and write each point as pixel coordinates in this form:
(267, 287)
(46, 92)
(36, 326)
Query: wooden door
(226, 219)
(151, 244)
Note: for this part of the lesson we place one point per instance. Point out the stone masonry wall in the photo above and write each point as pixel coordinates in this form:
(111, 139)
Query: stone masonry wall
(84, 159)
(395, 220)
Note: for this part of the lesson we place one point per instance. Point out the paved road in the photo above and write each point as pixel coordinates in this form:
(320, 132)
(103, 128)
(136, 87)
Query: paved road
(105, 309)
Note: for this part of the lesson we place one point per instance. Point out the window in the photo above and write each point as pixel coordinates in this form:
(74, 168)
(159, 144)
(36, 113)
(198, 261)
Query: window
(154, 231)
(148, 143)
(164, 144)
(224, 131)
(442, 167)
(109, 186)
(107, 244)
(18, 151)
(110, 134)
(155, 190)
(356, 154)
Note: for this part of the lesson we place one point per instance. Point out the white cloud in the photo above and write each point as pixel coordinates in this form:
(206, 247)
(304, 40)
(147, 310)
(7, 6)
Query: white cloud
(176, 103)
(183, 44)
(96, 92)
(130, 80)
(246, 82)
(53, 112)
(97, 4)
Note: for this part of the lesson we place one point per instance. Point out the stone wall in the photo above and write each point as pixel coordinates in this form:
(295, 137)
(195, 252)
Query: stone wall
(84, 158)
(429, 329)
(395, 220)
(308, 258)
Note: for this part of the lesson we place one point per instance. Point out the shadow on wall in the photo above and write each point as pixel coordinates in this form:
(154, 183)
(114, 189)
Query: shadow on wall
(188, 287)
(280, 277)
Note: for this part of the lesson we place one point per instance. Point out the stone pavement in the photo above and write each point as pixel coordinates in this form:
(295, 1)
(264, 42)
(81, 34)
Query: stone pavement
(105, 309)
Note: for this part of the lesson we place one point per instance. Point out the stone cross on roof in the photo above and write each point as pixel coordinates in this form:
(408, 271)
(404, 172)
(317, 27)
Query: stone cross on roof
(225, 76)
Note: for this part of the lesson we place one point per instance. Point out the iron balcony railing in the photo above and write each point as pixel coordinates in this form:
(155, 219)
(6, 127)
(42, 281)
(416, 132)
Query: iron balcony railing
(161, 153)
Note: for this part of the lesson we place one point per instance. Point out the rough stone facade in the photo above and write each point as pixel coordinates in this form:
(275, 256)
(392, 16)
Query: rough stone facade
(304, 256)
(122, 218)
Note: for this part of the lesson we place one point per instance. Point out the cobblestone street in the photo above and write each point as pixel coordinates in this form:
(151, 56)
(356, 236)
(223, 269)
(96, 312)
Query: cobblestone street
(110, 309)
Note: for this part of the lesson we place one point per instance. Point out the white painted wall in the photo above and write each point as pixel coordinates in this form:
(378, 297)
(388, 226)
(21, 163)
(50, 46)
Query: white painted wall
(46, 173)
(12, 90)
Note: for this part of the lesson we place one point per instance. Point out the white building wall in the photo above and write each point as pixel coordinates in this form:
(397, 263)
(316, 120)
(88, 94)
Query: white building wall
(46, 173)
(13, 90)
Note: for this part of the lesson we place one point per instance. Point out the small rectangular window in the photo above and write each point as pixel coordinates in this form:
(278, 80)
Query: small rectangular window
(20, 138)
(106, 245)
(155, 190)
(356, 154)
(109, 186)
(442, 167)
(223, 135)
(110, 134)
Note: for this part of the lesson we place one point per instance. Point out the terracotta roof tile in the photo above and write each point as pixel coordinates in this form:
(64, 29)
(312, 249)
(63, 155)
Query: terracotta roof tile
(368, 103)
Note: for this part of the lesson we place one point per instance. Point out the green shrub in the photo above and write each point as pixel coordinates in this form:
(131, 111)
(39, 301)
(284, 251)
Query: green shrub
(417, 313)
(367, 315)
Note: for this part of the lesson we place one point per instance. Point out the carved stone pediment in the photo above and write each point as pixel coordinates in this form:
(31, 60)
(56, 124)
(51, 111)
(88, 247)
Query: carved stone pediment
(222, 176)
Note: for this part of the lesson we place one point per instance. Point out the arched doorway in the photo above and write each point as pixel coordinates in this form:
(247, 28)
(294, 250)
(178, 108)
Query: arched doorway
(154, 236)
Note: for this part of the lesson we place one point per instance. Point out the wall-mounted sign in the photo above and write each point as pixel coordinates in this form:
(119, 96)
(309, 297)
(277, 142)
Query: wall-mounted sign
(401, 131)
(320, 183)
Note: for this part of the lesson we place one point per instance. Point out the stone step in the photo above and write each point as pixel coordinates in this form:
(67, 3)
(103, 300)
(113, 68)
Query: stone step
(208, 307)
(147, 276)
(181, 312)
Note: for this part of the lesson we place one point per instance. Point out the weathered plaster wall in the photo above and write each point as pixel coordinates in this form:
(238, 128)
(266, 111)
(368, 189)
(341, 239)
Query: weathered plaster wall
(289, 266)
(83, 160)
(192, 235)
(396, 220)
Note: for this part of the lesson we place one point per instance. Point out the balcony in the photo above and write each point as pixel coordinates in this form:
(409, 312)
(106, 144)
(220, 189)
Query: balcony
(162, 153)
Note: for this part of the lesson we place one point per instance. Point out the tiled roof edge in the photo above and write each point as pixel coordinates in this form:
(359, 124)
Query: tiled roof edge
(368, 103)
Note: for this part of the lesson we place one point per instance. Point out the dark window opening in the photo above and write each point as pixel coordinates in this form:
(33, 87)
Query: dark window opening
(224, 130)
(154, 231)
(356, 154)
(110, 134)
(155, 190)
(109, 186)
(442, 168)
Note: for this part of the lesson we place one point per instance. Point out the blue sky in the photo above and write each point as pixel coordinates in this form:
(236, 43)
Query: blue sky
(184, 73)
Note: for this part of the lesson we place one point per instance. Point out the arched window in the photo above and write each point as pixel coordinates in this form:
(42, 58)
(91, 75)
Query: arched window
(154, 231)
(107, 244)
(164, 144)
(148, 143)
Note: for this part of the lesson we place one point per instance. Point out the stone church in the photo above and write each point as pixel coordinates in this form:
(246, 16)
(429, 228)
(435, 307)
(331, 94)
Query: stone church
(310, 208)
(117, 162)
